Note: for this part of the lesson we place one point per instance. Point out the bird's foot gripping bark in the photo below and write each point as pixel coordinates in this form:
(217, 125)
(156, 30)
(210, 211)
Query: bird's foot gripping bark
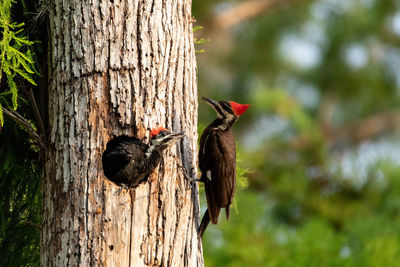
(119, 190)
(188, 178)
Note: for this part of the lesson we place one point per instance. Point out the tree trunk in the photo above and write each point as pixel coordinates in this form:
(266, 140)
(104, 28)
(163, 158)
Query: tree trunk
(119, 67)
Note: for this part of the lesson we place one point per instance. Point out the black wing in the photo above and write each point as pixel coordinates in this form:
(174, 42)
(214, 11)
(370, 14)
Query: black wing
(119, 152)
(217, 162)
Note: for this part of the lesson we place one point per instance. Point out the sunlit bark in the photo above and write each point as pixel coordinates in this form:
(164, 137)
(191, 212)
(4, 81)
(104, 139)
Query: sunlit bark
(119, 67)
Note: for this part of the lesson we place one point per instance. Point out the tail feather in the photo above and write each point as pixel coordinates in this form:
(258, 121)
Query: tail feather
(227, 211)
(203, 225)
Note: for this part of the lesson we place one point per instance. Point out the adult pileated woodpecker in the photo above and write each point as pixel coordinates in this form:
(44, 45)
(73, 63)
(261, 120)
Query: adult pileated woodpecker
(217, 160)
(128, 161)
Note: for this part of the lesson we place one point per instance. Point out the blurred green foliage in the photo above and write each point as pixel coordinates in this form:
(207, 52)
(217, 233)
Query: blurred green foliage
(20, 165)
(318, 229)
(20, 198)
(324, 189)
(16, 57)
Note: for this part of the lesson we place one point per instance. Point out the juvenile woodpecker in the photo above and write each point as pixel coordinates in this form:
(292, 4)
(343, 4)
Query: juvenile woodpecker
(217, 160)
(128, 161)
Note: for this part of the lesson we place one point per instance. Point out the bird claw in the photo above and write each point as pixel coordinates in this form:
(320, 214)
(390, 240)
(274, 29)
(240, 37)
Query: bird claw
(119, 190)
(190, 180)
(189, 186)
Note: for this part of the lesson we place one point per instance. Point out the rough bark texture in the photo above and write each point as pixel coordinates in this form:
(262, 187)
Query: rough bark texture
(119, 67)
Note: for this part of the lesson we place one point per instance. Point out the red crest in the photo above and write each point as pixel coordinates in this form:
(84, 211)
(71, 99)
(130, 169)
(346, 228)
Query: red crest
(239, 109)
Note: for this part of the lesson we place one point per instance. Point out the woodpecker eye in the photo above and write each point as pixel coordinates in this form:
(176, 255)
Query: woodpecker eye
(162, 133)
(226, 106)
(156, 131)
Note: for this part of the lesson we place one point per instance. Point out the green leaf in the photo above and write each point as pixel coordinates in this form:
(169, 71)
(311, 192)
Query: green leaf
(197, 28)
(26, 66)
(13, 90)
(1, 115)
(13, 59)
(24, 75)
(21, 54)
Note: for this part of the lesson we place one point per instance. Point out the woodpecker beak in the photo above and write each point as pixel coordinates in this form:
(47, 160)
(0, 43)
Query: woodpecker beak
(168, 139)
(214, 104)
(177, 135)
(211, 102)
(172, 138)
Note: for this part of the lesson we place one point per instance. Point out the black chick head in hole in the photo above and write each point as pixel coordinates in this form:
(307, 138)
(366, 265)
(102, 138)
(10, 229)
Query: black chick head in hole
(129, 161)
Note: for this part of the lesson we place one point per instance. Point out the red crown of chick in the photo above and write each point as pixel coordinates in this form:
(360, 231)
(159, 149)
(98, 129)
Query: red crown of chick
(156, 131)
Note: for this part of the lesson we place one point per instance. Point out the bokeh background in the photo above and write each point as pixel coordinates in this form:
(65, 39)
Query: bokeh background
(319, 147)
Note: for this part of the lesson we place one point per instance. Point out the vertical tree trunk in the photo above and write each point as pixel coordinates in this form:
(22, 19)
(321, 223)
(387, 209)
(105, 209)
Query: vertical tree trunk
(119, 67)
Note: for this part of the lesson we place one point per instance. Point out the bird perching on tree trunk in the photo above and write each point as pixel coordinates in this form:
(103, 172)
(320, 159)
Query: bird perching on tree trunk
(217, 160)
(128, 161)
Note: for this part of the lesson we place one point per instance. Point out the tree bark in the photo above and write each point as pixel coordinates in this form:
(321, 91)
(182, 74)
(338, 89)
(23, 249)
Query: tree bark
(119, 67)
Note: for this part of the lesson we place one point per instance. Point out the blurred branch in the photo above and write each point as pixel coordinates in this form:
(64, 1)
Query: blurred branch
(326, 109)
(35, 108)
(244, 11)
(37, 113)
(355, 132)
(366, 128)
(18, 118)
(34, 225)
